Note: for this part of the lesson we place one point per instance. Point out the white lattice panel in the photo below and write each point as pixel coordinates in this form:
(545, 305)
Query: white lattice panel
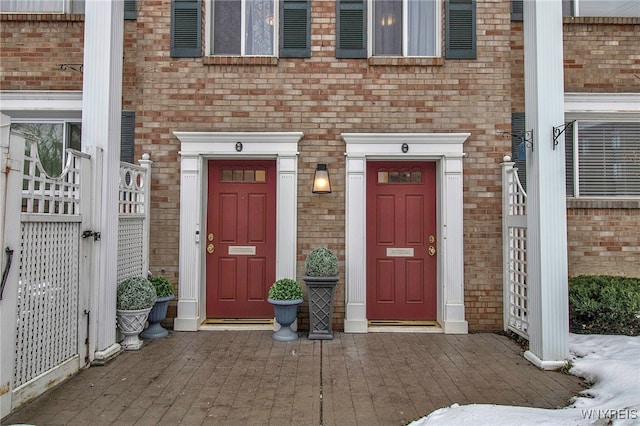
(132, 189)
(47, 315)
(53, 195)
(517, 297)
(130, 247)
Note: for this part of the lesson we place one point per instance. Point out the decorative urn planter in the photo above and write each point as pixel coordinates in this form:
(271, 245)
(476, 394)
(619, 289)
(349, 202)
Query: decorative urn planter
(285, 295)
(134, 299)
(130, 324)
(321, 279)
(164, 291)
(157, 314)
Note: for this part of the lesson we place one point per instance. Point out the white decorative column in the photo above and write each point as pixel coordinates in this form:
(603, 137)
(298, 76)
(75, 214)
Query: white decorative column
(101, 110)
(189, 309)
(546, 202)
(287, 218)
(355, 291)
(451, 243)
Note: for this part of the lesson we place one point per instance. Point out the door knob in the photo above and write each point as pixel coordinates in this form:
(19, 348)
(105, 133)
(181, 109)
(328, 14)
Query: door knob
(210, 248)
(431, 250)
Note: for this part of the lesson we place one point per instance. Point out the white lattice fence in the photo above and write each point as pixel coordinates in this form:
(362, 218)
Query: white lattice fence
(133, 225)
(516, 298)
(47, 315)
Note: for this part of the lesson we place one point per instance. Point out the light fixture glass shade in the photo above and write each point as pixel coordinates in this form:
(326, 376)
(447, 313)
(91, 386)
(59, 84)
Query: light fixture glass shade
(321, 182)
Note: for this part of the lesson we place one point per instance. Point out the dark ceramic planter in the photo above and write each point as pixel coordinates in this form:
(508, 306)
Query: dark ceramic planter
(157, 314)
(321, 292)
(286, 312)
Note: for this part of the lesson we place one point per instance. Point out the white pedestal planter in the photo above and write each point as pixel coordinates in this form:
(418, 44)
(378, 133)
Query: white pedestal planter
(131, 324)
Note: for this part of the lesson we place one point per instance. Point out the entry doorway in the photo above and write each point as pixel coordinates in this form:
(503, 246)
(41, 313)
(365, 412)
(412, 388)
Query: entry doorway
(240, 239)
(401, 240)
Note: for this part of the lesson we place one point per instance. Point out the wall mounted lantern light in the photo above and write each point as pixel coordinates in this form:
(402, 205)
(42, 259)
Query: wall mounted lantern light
(321, 182)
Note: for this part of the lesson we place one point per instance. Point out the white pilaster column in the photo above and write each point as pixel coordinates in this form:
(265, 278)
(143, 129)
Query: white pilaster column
(356, 285)
(101, 110)
(189, 290)
(451, 246)
(286, 245)
(546, 202)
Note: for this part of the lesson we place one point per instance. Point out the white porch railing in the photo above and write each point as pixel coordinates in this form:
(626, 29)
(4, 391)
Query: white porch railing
(133, 225)
(514, 239)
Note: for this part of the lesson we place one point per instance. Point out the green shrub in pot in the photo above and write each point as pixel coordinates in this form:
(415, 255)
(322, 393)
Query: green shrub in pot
(321, 262)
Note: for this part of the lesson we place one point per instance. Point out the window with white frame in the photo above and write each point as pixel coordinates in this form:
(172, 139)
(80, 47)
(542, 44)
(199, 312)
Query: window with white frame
(603, 159)
(53, 138)
(406, 27)
(243, 27)
(601, 8)
(42, 6)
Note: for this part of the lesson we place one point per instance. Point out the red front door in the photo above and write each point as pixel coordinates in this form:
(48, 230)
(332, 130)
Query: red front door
(241, 238)
(401, 241)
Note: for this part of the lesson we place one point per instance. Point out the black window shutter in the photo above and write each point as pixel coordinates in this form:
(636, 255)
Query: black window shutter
(186, 23)
(517, 10)
(460, 29)
(127, 136)
(351, 31)
(130, 9)
(518, 146)
(295, 29)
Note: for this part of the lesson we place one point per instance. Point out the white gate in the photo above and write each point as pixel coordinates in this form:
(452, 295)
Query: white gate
(45, 270)
(514, 252)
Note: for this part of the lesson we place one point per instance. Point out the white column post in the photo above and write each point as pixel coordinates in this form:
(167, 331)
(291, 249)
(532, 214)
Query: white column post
(101, 110)
(356, 286)
(286, 246)
(189, 289)
(546, 202)
(146, 163)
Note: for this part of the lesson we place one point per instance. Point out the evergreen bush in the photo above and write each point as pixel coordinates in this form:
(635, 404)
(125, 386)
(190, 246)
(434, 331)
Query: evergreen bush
(162, 285)
(603, 304)
(321, 262)
(134, 294)
(285, 289)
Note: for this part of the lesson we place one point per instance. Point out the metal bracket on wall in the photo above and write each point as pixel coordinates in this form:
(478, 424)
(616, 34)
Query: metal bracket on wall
(557, 131)
(525, 136)
(94, 234)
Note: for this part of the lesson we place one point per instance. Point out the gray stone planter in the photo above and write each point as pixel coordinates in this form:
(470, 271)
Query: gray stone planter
(286, 312)
(321, 294)
(157, 314)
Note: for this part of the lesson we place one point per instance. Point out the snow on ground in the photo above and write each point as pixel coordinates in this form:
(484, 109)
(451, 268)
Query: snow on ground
(610, 363)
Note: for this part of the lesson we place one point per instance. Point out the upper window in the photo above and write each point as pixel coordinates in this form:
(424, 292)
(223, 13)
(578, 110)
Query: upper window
(406, 27)
(243, 27)
(603, 159)
(600, 8)
(42, 6)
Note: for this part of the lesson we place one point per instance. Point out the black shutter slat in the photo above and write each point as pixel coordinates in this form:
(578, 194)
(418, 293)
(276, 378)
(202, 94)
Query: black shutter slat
(518, 148)
(127, 136)
(460, 29)
(130, 9)
(186, 17)
(295, 37)
(517, 10)
(351, 33)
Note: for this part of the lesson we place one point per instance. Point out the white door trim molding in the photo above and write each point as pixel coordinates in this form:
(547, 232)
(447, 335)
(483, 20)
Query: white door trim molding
(446, 149)
(196, 148)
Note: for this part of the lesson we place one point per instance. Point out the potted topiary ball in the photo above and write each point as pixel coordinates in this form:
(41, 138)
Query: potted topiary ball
(164, 293)
(134, 299)
(285, 295)
(321, 278)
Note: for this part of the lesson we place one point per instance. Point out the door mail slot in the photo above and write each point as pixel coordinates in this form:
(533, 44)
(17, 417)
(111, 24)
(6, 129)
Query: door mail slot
(242, 250)
(400, 252)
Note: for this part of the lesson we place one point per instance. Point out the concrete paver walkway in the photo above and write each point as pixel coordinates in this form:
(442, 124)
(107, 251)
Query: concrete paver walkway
(246, 378)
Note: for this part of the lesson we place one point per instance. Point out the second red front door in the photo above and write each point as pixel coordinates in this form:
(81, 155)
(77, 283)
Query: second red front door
(401, 241)
(240, 241)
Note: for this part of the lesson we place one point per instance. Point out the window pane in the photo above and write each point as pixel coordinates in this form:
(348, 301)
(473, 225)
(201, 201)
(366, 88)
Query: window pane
(260, 26)
(422, 27)
(226, 27)
(49, 137)
(599, 8)
(387, 26)
(608, 158)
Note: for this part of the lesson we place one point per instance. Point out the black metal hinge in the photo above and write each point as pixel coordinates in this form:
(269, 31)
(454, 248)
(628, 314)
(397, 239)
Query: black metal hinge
(94, 234)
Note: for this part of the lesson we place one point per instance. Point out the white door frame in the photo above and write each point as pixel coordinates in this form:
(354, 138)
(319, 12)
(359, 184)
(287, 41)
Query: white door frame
(446, 149)
(196, 149)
